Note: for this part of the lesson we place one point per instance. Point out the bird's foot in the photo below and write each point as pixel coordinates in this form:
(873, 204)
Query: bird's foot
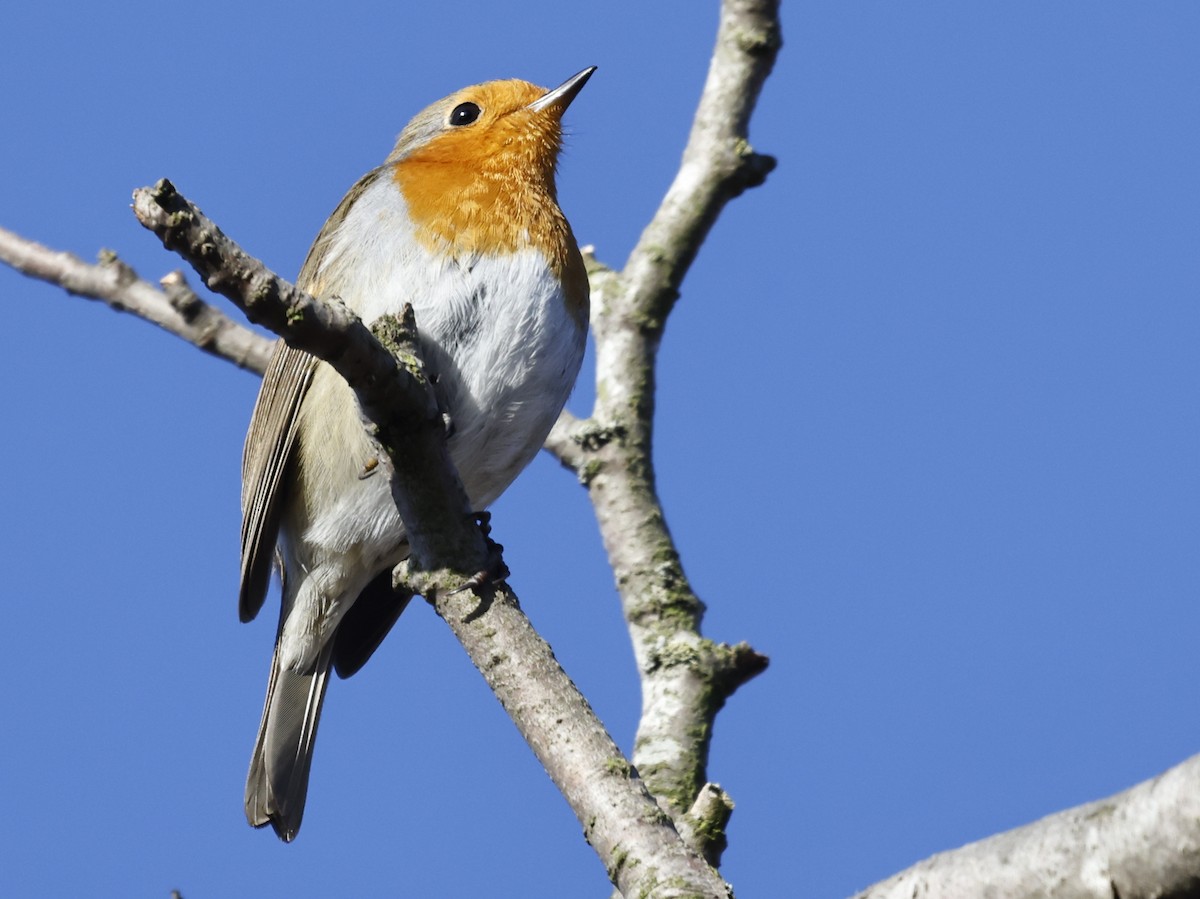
(495, 570)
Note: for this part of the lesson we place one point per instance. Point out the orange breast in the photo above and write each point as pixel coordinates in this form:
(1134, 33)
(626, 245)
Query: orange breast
(471, 193)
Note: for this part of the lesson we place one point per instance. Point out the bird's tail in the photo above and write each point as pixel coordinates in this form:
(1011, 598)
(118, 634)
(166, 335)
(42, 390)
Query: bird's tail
(278, 781)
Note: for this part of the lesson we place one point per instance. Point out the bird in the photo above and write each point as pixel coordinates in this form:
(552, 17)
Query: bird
(461, 221)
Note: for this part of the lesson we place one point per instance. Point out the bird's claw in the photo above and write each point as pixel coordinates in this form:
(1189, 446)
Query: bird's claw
(496, 570)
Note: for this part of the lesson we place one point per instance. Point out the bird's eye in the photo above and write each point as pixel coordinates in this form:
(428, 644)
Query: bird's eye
(464, 114)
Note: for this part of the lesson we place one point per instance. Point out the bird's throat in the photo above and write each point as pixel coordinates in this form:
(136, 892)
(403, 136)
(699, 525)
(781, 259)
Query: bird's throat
(491, 209)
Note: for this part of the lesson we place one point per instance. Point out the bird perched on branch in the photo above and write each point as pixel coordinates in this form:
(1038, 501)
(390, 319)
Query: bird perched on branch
(462, 221)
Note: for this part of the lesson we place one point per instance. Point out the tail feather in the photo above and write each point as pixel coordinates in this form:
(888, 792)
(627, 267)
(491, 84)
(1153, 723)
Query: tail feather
(278, 781)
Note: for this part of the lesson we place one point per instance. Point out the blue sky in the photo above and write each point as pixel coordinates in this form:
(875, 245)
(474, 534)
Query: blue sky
(927, 436)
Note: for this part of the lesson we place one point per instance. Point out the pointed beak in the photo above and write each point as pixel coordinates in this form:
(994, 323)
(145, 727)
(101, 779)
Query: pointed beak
(560, 98)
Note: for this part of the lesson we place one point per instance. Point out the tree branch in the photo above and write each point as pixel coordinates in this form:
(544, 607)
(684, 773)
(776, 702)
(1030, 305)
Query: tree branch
(718, 162)
(640, 849)
(1144, 842)
(175, 308)
(685, 677)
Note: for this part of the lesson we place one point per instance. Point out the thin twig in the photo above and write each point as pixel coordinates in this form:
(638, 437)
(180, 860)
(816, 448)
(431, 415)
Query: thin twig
(115, 283)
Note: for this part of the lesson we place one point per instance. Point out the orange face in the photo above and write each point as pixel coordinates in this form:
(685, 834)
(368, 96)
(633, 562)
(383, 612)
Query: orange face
(477, 173)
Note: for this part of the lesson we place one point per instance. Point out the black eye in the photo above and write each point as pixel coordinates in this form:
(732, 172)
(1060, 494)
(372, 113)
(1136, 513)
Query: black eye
(464, 114)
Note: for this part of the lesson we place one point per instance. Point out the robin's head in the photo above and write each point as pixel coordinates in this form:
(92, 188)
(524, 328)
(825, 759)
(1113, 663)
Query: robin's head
(477, 170)
(492, 126)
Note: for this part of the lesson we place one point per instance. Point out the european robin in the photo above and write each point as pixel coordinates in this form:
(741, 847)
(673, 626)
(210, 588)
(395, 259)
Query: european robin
(462, 221)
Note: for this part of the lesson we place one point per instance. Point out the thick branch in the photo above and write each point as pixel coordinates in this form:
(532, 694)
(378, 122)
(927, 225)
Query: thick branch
(637, 844)
(175, 309)
(642, 852)
(1144, 842)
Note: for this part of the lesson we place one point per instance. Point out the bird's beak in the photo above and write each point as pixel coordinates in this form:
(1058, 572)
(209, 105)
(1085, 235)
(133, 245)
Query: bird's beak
(560, 98)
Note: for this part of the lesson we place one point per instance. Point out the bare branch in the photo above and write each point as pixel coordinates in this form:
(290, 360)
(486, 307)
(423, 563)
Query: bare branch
(601, 278)
(638, 845)
(718, 162)
(326, 329)
(115, 283)
(703, 827)
(1143, 842)
(642, 852)
(685, 677)
(563, 442)
(397, 399)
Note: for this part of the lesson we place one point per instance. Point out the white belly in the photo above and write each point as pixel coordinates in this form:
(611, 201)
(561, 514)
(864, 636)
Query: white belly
(505, 351)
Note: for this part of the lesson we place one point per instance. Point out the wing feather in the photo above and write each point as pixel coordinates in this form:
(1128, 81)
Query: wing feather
(265, 459)
(271, 439)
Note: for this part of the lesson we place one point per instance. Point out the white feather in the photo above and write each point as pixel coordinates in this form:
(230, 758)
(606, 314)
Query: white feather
(506, 351)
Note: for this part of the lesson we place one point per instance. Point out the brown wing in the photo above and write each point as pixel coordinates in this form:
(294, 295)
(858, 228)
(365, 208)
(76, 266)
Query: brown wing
(273, 429)
(265, 459)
